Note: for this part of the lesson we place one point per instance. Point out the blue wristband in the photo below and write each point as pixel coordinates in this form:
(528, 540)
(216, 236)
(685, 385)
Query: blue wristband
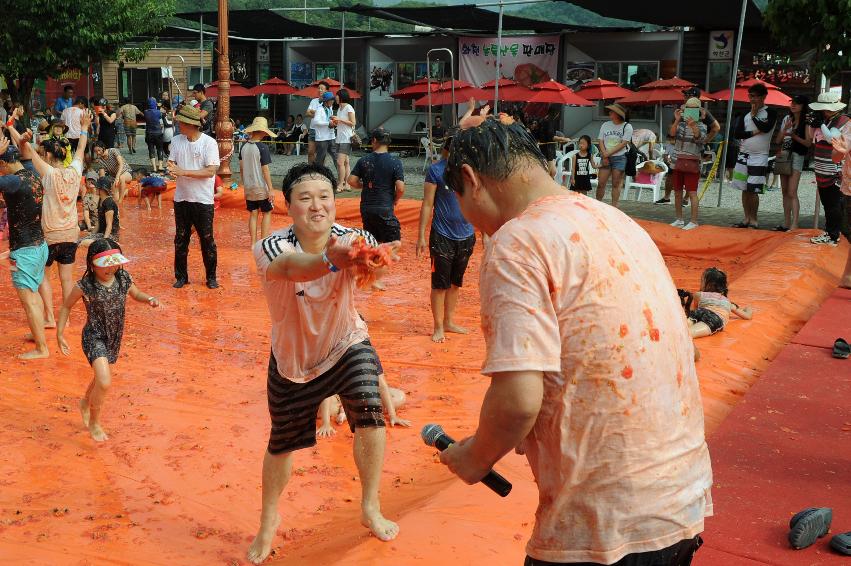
(331, 267)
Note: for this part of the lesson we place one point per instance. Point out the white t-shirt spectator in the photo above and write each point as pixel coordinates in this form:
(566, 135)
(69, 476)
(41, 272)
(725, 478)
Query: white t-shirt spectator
(613, 134)
(314, 105)
(344, 131)
(71, 116)
(759, 142)
(321, 124)
(194, 156)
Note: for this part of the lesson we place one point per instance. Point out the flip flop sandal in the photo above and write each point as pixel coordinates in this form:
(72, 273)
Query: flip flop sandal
(781, 229)
(741, 225)
(842, 543)
(841, 349)
(809, 525)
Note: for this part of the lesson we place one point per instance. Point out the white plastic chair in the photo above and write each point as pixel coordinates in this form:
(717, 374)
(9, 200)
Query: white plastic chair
(431, 152)
(564, 169)
(655, 186)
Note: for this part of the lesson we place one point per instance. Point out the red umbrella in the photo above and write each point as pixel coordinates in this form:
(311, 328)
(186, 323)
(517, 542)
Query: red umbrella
(464, 91)
(659, 96)
(274, 86)
(236, 90)
(774, 97)
(750, 82)
(416, 89)
(600, 89)
(512, 93)
(551, 92)
(675, 82)
(502, 83)
(330, 82)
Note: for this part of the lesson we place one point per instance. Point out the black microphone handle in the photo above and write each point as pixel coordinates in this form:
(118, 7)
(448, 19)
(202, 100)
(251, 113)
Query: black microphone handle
(493, 480)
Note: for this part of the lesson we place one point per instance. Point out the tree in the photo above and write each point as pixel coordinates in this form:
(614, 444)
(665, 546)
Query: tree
(807, 24)
(43, 38)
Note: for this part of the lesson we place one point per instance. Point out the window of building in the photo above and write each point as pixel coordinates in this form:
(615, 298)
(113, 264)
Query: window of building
(263, 74)
(629, 75)
(195, 76)
(718, 75)
(407, 73)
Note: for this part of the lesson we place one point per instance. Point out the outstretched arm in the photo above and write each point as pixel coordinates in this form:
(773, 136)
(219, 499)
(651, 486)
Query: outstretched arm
(143, 297)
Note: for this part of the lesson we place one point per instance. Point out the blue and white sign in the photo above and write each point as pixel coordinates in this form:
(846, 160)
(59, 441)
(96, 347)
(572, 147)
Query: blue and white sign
(721, 45)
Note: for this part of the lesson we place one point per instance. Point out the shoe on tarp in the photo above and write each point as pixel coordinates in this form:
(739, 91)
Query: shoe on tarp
(809, 525)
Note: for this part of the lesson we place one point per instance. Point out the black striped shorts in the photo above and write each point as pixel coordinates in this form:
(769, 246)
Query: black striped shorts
(293, 406)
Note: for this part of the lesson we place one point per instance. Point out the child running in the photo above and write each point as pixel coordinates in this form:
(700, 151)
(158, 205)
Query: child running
(713, 306)
(104, 289)
(583, 167)
(254, 160)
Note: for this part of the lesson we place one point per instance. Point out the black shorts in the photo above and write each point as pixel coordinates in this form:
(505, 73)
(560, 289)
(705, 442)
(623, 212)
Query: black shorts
(709, 318)
(679, 554)
(449, 259)
(382, 224)
(261, 205)
(62, 253)
(293, 406)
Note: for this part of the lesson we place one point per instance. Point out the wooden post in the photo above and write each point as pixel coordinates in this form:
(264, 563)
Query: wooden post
(224, 126)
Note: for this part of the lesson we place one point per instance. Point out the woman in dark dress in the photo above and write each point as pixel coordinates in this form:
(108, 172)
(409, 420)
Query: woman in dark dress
(106, 123)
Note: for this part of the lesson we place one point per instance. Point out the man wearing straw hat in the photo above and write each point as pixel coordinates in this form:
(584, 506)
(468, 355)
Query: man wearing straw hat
(193, 161)
(828, 173)
(254, 160)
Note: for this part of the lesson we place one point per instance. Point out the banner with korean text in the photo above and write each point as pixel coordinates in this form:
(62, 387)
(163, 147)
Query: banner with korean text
(525, 59)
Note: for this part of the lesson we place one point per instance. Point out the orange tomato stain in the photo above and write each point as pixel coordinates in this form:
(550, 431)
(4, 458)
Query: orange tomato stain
(575, 237)
(652, 331)
(680, 378)
(623, 268)
(624, 330)
(626, 372)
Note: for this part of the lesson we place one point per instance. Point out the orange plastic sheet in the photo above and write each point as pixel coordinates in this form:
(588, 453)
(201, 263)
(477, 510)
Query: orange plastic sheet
(178, 482)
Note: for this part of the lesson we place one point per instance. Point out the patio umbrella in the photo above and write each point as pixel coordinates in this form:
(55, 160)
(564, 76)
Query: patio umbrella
(774, 97)
(464, 91)
(509, 91)
(675, 82)
(551, 92)
(665, 91)
(274, 87)
(600, 89)
(236, 90)
(312, 91)
(502, 83)
(415, 89)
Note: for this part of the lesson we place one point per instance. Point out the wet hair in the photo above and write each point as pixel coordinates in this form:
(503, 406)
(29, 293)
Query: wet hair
(714, 281)
(587, 139)
(298, 172)
(98, 246)
(758, 89)
(344, 96)
(492, 149)
(58, 148)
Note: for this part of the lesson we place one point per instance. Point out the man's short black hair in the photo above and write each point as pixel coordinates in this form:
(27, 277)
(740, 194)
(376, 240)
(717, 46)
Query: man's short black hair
(758, 89)
(199, 88)
(298, 172)
(381, 135)
(492, 149)
(67, 88)
(81, 101)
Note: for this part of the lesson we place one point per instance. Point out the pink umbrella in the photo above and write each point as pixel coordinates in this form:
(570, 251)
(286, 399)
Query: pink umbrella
(601, 89)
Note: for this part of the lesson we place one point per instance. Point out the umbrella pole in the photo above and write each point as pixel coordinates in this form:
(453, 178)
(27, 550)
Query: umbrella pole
(732, 94)
(498, 60)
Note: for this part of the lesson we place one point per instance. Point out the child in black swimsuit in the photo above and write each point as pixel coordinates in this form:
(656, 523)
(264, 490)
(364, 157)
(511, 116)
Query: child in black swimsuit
(104, 289)
(583, 167)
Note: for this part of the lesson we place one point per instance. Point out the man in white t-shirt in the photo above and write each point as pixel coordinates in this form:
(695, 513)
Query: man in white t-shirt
(754, 131)
(311, 112)
(193, 161)
(320, 347)
(323, 129)
(71, 116)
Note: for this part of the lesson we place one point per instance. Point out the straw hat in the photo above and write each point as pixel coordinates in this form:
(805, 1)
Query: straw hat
(617, 109)
(260, 125)
(693, 102)
(189, 115)
(828, 101)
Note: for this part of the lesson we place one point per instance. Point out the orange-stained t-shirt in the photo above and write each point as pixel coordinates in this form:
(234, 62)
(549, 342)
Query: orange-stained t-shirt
(59, 210)
(315, 322)
(576, 289)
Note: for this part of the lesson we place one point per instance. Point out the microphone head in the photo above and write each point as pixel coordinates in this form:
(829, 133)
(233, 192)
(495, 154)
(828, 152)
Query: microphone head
(430, 433)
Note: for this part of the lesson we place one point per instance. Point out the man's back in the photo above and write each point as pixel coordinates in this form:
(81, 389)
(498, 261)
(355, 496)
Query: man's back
(379, 171)
(576, 289)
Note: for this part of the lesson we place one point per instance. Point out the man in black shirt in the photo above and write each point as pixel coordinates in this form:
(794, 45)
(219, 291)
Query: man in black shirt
(23, 194)
(381, 179)
(208, 110)
(438, 132)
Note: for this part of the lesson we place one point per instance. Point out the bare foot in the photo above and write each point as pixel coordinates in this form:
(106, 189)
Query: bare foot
(84, 411)
(34, 354)
(385, 529)
(50, 324)
(454, 328)
(261, 546)
(438, 336)
(378, 286)
(97, 432)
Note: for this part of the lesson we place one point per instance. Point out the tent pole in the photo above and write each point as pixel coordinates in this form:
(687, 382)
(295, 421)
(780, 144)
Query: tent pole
(200, 52)
(342, 50)
(498, 60)
(733, 76)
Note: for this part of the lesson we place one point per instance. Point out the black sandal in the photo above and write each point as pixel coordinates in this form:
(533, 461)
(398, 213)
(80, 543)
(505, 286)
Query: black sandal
(741, 225)
(809, 525)
(781, 229)
(841, 543)
(841, 349)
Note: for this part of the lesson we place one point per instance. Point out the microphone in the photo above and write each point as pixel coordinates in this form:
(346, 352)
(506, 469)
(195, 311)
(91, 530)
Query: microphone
(434, 436)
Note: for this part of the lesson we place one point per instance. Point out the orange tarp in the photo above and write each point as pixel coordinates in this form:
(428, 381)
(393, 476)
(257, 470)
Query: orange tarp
(178, 482)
